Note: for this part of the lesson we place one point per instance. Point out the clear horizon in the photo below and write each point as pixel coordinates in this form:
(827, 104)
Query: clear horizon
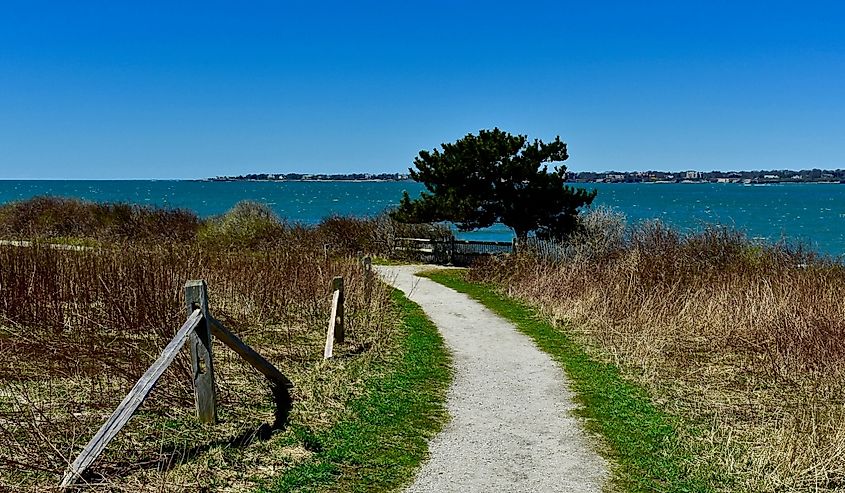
(197, 90)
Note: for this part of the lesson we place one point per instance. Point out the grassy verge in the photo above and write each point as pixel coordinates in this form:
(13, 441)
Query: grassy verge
(641, 440)
(386, 437)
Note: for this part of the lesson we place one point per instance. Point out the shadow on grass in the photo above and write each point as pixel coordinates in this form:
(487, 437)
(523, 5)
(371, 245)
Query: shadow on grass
(172, 456)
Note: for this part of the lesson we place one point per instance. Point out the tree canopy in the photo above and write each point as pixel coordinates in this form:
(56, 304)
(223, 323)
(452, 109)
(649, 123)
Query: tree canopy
(496, 177)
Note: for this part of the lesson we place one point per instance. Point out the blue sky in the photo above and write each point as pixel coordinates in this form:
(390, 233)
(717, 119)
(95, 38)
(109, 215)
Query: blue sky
(104, 89)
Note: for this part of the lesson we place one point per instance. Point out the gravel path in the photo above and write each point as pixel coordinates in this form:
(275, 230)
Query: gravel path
(512, 428)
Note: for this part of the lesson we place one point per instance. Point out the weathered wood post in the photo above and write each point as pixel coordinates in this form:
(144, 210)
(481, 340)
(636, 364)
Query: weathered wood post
(367, 262)
(202, 364)
(197, 329)
(335, 330)
(340, 323)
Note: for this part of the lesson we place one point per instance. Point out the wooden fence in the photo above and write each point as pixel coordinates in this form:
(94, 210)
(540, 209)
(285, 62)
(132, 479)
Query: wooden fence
(337, 324)
(546, 249)
(449, 250)
(197, 332)
(463, 252)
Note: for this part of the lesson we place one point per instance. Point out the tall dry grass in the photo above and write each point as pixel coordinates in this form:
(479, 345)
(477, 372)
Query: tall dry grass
(73, 218)
(247, 225)
(744, 340)
(77, 328)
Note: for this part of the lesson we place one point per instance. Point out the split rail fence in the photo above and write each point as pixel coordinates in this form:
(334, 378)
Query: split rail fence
(197, 332)
(463, 252)
(449, 250)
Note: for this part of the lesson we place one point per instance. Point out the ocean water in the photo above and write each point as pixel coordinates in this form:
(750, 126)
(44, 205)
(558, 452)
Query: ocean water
(807, 212)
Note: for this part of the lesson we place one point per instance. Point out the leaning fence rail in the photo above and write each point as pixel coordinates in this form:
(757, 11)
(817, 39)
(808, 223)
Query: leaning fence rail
(131, 402)
(198, 329)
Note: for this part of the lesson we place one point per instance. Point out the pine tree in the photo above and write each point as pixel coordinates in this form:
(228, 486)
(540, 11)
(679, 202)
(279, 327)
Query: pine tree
(496, 177)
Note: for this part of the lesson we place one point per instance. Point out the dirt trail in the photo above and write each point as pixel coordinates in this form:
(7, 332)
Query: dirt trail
(512, 427)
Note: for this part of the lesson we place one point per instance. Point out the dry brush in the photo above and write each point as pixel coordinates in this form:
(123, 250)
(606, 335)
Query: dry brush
(77, 328)
(744, 340)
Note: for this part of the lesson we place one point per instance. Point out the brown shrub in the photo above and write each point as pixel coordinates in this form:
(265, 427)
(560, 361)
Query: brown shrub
(77, 328)
(746, 340)
(73, 218)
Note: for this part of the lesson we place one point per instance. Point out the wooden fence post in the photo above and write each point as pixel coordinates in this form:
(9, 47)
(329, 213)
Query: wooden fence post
(335, 330)
(197, 329)
(340, 324)
(328, 350)
(202, 364)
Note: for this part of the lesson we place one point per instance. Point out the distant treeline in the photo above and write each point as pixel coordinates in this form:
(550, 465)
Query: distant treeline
(760, 176)
(314, 177)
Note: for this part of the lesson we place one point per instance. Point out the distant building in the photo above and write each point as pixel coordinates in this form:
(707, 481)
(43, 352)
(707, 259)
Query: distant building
(771, 177)
(693, 175)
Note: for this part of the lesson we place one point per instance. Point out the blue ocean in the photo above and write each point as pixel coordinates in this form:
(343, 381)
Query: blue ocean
(813, 213)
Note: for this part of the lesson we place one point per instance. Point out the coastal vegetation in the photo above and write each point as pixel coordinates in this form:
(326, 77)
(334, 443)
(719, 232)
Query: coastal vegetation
(493, 177)
(246, 225)
(67, 218)
(705, 360)
(79, 326)
(741, 343)
(643, 441)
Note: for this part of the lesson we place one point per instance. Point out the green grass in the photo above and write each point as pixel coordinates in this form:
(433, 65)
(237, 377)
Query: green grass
(641, 441)
(380, 447)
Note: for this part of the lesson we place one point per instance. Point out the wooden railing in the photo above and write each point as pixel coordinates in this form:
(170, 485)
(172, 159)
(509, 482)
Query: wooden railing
(197, 332)
(449, 250)
(337, 328)
(550, 250)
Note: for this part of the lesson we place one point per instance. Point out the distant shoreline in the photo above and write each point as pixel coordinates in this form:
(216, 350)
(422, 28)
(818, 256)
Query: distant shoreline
(568, 182)
(692, 177)
(657, 177)
(304, 181)
(351, 177)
